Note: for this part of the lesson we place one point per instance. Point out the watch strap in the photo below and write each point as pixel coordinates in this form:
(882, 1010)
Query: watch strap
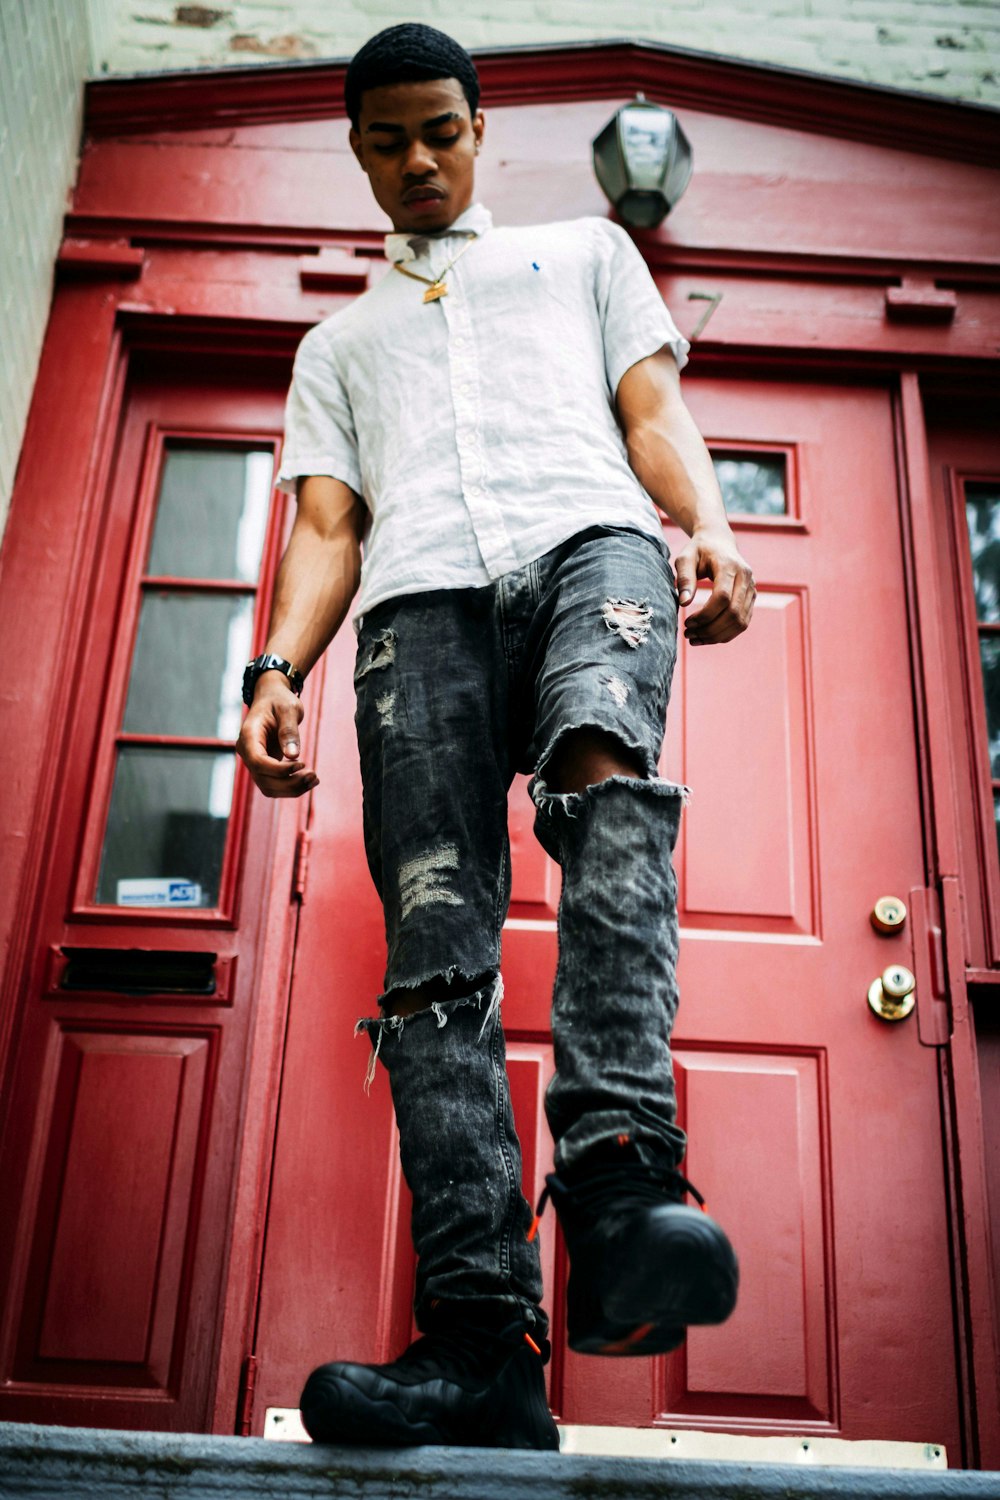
(269, 663)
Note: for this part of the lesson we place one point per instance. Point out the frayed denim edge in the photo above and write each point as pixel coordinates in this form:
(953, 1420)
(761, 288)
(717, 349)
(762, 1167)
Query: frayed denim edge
(376, 1026)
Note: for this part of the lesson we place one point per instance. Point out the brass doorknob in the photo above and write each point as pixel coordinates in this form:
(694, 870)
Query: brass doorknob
(893, 995)
(888, 914)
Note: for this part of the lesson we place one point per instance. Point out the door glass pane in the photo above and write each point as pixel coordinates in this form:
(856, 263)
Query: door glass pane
(166, 828)
(211, 515)
(187, 670)
(752, 484)
(989, 647)
(982, 510)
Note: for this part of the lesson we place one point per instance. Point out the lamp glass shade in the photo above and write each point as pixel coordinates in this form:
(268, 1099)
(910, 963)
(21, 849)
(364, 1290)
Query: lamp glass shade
(643, 161)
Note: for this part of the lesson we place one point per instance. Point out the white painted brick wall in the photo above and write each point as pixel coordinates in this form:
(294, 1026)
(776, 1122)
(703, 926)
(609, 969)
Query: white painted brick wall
(950, 49)
(47, 48)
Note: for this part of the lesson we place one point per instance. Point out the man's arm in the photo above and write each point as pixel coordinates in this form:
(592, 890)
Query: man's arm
(669, 458)
(317, 580)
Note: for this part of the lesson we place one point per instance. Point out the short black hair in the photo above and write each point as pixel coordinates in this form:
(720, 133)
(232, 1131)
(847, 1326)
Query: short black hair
(405, 54)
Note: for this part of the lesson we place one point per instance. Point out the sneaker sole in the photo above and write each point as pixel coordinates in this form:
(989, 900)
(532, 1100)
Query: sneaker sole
(693, 1281)
(337, 1409)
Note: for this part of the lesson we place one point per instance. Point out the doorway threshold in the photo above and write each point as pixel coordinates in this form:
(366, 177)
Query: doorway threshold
(283, 1424)
(77, 1463)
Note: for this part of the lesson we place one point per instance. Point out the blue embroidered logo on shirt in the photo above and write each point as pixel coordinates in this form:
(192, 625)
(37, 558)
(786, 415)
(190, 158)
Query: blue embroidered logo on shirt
(534, 265)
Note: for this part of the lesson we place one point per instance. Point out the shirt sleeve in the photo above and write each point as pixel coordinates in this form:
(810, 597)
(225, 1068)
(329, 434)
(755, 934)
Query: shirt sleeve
(319, 424)
(633, 315)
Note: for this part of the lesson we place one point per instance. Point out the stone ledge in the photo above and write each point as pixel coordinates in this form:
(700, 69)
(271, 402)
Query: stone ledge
(75, 1463)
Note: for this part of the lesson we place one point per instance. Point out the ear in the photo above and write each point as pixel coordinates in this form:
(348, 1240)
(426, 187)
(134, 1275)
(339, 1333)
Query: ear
(355, 140)
(478, 127)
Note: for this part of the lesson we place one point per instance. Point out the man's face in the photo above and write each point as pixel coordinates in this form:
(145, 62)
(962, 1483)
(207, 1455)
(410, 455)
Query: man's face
(417, 143)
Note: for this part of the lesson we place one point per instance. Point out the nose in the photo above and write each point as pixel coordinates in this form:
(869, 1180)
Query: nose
(419, 159)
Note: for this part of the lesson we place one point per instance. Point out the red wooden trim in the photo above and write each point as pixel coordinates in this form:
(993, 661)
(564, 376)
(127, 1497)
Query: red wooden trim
(192, 333)
(974, 1263)
(81, 355)
(196, 585)
(962, 1107)
(520, 75)
(971, 628)
(174, 741)
(100, 257)
(334, 271)
(919, 300)
(659, 253)
(929, 667)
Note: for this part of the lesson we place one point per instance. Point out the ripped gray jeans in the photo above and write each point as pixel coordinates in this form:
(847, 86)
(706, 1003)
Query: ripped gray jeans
(457, 690)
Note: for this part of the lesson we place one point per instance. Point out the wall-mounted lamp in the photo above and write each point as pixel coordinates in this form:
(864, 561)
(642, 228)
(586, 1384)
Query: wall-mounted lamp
(643, 161)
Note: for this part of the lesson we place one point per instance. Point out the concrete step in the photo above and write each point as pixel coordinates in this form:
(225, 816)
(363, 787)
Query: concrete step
(75, 1463)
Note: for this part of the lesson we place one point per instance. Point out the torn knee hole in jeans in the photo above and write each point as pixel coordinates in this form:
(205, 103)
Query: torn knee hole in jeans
(486, 999)
(628, 618)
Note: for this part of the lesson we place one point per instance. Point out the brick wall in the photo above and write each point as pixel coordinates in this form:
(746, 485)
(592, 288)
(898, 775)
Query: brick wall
(945, 47)
(47, 48)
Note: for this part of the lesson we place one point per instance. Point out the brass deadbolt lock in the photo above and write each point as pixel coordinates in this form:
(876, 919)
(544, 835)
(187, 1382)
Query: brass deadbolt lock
(893, 995)
(888, 914)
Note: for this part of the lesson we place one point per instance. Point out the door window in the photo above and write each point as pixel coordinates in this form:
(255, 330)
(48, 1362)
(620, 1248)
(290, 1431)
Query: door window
(982, 514)
(172, 785)
(752, 484)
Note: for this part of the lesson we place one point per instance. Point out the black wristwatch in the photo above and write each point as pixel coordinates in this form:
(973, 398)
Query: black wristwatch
(269, 663)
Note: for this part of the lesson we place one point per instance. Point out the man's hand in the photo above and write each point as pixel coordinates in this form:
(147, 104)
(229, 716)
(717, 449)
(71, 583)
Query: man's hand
(269, 740)
(670, 459)
(713, 554)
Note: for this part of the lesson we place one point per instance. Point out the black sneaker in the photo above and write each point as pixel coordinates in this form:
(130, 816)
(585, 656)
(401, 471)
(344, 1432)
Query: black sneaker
(643, 1264)
(475, 1389)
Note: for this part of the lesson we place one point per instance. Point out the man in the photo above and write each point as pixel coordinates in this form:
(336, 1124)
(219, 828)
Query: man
(493, 419)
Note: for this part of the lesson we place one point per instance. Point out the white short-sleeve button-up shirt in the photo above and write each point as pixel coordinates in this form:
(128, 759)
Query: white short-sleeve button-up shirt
(480, 429)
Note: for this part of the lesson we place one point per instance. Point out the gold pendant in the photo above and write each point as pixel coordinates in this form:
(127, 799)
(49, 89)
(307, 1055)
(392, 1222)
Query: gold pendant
(434, 292)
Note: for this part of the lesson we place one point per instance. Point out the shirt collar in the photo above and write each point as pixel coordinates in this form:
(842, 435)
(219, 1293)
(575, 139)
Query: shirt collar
(475, 219)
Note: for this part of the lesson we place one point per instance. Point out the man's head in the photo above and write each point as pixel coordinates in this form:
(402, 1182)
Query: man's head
(412, 96)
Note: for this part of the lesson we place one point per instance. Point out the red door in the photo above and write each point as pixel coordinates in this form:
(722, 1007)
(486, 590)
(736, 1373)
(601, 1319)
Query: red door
(814, 1126)
(139, 1003)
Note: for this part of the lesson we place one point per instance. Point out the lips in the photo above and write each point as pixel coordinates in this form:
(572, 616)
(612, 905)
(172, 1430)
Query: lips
(422, 195)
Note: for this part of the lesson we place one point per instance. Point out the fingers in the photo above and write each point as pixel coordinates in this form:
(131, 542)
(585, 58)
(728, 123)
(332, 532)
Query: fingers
(285, 785)
(727, 611)
(269, 746)
(686, 572)
(289, 716)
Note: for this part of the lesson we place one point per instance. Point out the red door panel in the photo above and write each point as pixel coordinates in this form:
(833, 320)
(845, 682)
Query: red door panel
(814, 1127)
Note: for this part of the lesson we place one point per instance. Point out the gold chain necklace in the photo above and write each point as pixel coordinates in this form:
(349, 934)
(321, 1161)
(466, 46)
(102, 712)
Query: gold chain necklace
(435, 284)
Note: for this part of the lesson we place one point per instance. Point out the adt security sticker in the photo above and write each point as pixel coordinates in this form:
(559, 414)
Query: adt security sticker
(161, 892)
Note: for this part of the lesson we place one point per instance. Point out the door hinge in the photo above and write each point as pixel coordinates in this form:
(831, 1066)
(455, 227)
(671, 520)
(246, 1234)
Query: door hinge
(300, 871)
(933, 1003)
(248, 1389)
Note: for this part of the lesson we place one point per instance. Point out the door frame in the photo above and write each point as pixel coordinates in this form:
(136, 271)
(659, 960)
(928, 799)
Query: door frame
(945, 752)
(93, 332)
